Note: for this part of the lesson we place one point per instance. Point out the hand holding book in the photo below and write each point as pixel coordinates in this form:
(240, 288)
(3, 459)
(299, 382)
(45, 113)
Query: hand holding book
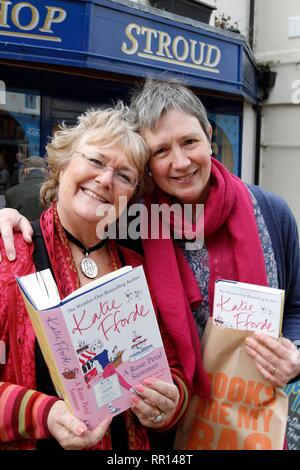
(155, 402)
(244, 412)
(100, 343)
(71, 432)
(250, 307)
(278, 360)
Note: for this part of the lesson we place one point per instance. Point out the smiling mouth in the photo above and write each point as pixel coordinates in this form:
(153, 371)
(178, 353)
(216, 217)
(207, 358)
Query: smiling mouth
(94, 195)
(186, 178)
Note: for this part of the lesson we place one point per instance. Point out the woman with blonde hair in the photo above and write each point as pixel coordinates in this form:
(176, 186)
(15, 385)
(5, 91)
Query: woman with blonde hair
(90, 166)
(250, 235)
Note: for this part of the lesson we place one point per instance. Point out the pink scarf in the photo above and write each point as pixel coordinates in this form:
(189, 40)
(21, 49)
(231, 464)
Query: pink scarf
(235, 253)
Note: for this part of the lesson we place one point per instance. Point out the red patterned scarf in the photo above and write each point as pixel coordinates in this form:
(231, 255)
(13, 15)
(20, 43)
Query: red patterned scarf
(60, 255)
(59, 252)
(235, 252)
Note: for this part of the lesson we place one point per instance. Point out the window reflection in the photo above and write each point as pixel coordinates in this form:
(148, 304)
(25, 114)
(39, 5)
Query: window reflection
(19, 131)
(225, 139)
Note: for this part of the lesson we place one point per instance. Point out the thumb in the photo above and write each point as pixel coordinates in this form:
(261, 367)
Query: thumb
(71, 423)
(77, 427)
(99, 431)
(103, 425)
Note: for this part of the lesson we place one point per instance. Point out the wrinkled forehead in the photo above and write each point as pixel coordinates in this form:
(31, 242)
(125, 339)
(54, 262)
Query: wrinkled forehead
(173, 122)
(117, 151)
(98, 137)
(167, 115)
(128, 143)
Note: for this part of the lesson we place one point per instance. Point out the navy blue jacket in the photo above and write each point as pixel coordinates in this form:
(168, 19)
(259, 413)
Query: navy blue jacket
(284, 235)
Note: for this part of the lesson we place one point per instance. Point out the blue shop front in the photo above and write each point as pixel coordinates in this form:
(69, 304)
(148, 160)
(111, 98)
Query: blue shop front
(58, 58)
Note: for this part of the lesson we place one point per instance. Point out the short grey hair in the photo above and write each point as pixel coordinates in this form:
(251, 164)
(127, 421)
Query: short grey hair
(157, 97)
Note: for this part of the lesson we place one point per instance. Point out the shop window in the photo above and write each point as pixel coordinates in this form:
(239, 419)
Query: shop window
(67, 111)
(19, 128)
(226, 140)
(31, 102)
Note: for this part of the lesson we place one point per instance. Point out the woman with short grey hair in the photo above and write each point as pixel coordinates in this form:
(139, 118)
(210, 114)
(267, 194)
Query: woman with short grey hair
(250, 235)
(245, 229)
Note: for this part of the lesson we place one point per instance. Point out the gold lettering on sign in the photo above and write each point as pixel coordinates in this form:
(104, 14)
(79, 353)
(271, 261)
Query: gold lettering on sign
(135, 45)
(176, 42)
(149, 32)
(4, 13)
(160, 46)
(51, 18)
(163, 44)
(15, 16)
(209, 56)
(45, 17)
(194, 48)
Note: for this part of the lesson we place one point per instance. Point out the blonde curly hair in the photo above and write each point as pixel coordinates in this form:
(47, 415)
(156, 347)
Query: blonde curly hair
(105, 126)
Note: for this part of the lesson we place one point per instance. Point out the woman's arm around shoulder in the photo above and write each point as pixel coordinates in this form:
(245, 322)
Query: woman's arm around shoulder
(12, 221)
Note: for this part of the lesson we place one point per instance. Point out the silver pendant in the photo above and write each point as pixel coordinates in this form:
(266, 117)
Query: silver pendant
(89, 268)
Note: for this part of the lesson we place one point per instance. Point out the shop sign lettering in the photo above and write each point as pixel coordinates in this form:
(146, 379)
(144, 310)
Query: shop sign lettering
(23, 19)
(160, 46)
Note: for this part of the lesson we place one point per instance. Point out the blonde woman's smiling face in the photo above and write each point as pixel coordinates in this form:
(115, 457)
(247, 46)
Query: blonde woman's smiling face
(84, 186)
(180, 161)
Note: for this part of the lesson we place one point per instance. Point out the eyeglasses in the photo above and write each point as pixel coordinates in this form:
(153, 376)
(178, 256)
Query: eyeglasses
(122, 177)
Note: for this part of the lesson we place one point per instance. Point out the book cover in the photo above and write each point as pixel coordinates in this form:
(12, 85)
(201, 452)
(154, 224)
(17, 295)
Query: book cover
(99, 342)
(250, 307)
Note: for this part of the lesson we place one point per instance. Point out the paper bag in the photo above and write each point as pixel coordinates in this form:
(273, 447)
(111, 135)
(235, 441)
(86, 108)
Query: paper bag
(244, 412)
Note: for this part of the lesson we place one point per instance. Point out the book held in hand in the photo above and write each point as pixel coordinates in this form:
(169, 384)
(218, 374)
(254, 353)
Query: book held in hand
(99, 342)
(244, 306)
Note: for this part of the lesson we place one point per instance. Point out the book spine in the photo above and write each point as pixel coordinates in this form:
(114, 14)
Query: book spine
(62, 362)
(282, 297)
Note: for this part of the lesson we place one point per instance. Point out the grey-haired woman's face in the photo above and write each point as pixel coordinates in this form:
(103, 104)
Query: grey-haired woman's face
(180, 160)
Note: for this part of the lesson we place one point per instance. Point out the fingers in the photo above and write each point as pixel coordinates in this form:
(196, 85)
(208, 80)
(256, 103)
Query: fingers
(163, 394)
(97, 434)
(269, 369)
(87, 438)
(65, 418)
(278, 360)
(273, 379)
(155, 403)
(275, 345)
(61, 421)
(264, 348)
(71, 432)
(11, 220)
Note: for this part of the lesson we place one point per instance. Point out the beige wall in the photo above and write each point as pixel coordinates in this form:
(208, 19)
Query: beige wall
(248, 147)
(238, 10)
(280, 145)
(271, 36)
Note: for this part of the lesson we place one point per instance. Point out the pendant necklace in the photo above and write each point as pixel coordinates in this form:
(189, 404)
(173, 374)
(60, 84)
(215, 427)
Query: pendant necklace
(87, 265)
